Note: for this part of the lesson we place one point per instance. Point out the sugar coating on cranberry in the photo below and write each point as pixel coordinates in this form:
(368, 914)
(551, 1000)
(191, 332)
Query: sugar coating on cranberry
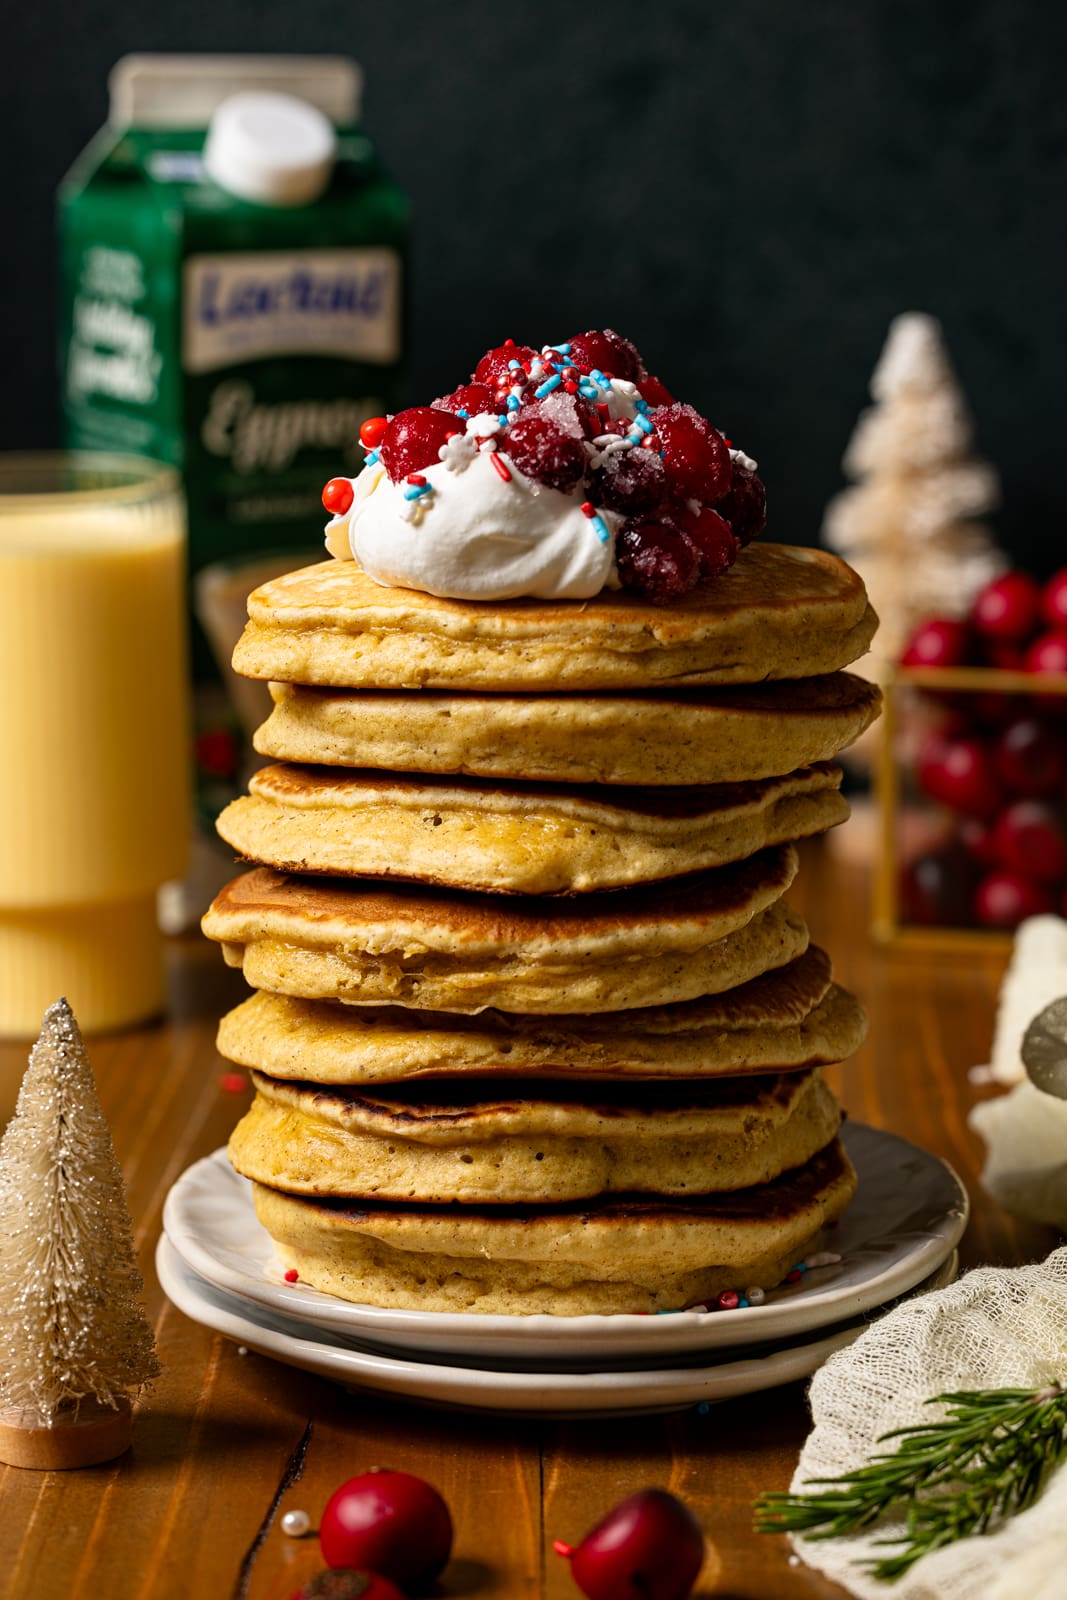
(695, 454)
(713, 539)
(745, 506)
(495, 366)
(629, 481)
(414, 438)
(608, 352)
(473, 398)
(545, 453)
(570, 412)
(656, 561)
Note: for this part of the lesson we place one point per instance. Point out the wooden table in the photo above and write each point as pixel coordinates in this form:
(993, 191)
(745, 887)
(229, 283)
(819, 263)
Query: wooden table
(225, 1443)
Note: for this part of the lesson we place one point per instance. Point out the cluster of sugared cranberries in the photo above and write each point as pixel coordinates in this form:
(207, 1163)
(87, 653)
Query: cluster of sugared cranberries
(997, 761)
(689, 505)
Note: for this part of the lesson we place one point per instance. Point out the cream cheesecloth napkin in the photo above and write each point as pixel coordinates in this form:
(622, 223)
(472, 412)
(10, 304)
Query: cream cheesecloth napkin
(997, 1327)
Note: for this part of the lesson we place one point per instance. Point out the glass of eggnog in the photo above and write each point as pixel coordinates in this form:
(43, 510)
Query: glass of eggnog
(94, 773)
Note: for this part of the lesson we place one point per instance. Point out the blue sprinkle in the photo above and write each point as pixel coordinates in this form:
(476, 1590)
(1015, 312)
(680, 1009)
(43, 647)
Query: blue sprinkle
(601, 529)
(503, 420)
(514, 402)
(703, 1408)
(588, 390)
(742, 1302)
(548, 386)
(642, 423)
(464, 414)
(414, 490)
(641, 405)
(560, 349)
(514, 366)
(372, 459)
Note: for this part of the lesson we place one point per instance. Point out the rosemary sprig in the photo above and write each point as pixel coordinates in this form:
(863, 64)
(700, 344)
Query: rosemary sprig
(985, 1460)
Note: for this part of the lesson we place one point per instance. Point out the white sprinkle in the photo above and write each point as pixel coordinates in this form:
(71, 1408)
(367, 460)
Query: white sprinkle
(242, 1349)
(296, 1524)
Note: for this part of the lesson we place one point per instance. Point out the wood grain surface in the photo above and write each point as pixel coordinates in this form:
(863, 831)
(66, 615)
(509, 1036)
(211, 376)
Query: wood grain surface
(224, 1443)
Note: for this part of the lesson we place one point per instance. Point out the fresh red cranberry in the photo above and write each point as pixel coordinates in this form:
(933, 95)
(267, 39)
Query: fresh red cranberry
(473, 398)
(337, 496)
(1031, 838)
(390, 1522)
(940, 642)
(1054, 600)
(713, 537)
(348, 1583)
(745, 507)
(1004, 654)
(1048, 653)
(1004, 899)
(1007, 608)
(936, 888)
(608, 352)
(655, 560)
(651, 1547)
(695, 454)
(977, 839)
(655, 392)
(414, 438)
(1030, 756)
(630, 481)
(544, 452)
(959, 773)
(494, 367)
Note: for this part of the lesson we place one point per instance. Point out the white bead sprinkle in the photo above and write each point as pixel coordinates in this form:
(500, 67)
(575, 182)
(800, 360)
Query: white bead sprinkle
(754, 1296)
(296, 1524)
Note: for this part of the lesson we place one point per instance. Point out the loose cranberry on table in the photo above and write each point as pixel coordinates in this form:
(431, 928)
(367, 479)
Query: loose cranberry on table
(1004, 899)
(650, 1547)
(388, 1522)
(1030, 837)
(1054, 600)
(1008, 608)
(1030, 755)
(940, 642)
(959, 772)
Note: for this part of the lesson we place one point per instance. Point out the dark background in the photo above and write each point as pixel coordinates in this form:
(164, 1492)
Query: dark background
(750, 193)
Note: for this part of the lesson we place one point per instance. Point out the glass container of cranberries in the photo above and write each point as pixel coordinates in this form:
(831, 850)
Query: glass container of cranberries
(972, 776)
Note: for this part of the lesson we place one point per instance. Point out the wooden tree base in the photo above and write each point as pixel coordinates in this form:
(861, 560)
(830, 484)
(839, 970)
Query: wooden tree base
(92, 1433)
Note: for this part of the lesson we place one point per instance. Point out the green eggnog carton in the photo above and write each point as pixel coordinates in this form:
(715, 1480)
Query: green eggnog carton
(232, 261)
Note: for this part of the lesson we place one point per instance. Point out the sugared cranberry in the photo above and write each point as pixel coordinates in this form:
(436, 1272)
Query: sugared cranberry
(608, 352)
(495, 365)
(570, 412)
(656, 561)
(473, 398)
(940, 642)
(959, 773)
(745, 507)
(389, 1522)
(936, 888)
(655, 392)
(544, 452)
(1054, 600)
(1030, 756)
(347, 1583)
(695, 454)
(713, 537)
(651, 1547)
(1007, 608)
(1031, 838)
(1048, 653)
(630, 481)
(1004, 899)
(414, 438)
(337, 496)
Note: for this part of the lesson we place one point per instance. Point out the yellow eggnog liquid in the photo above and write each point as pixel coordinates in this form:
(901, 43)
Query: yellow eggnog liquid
(94, 789)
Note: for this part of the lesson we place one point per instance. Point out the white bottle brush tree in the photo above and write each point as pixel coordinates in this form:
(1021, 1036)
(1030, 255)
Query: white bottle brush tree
(909, 524)
(71, 1325)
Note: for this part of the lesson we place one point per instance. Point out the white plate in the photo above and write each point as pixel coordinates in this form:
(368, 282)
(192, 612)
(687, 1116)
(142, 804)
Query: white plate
(907, 1218)
(560, 1394)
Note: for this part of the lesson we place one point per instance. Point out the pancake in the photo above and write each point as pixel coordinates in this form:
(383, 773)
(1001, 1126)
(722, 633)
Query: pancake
(522, 839)
(449, 951)
(787, 1020)
(486, 1144)
(780, 612)
(625, 1253)
(685, 737)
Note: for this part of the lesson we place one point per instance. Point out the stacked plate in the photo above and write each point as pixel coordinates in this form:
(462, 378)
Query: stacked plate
(898, 1238)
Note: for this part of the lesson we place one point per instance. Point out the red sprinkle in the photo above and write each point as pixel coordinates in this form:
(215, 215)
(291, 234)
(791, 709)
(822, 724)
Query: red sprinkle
(728, 1300)
(794, 1276)
(337, 496)
(588, 508)
(233, 1083)
(370, 434)
(292, 1276)
(501, 467)
(417, 477)
(570, 386)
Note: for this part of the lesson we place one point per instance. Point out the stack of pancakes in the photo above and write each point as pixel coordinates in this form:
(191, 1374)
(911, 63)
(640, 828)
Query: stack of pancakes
(534, 1028)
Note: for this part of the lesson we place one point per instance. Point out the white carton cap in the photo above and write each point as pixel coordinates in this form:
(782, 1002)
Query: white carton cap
(270, 148)
(174, 91)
